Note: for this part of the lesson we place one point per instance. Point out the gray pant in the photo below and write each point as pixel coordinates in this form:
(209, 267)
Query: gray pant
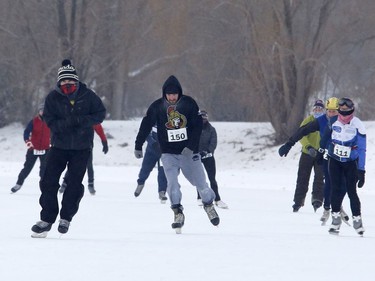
(193, 171)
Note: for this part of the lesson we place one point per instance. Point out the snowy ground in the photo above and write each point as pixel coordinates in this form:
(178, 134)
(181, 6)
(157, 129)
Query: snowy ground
(116, 236)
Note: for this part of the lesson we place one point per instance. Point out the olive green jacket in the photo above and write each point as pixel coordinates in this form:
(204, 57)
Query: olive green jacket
(311, 139)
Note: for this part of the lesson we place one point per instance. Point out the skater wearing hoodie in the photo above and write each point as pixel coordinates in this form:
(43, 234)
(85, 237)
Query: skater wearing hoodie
(179, 128)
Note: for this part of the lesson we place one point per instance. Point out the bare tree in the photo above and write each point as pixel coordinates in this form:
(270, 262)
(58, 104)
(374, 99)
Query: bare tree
(243, 60)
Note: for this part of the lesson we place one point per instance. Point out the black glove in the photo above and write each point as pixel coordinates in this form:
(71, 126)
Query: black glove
(105, 146)
(360, 178)
(284, 149)
(138, 153)
(319, 156)
(312, 151)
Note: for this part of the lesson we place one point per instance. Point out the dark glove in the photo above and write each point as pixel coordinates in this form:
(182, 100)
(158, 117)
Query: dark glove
(284, 149)
(138, 154)
(312, 151)
(105, 146)
(319, 156)
(360, 178)
(187, 152)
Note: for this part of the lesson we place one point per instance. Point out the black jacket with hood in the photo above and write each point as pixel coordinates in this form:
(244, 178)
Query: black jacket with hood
(72, 124)
(183, 114)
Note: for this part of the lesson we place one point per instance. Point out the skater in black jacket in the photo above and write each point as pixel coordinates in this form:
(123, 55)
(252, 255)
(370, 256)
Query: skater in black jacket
(179, 128)
(70, 111)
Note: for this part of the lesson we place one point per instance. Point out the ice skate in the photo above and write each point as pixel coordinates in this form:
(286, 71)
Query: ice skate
(91, 188)
(199, 202)
(325, 216)
(296, 207)
(336, 223)
(179, 219)
(358, 226)
(163, 198)
(316, 205)
(63, 226)
(40, 229)
(212, 214)
(15, 188)
(138, 190)
(221, 204)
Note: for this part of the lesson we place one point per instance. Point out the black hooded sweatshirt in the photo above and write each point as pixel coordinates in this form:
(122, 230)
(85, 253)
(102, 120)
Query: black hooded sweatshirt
(179, 125)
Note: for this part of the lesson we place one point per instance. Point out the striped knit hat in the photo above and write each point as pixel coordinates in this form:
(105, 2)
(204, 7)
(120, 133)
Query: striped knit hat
(66, 71)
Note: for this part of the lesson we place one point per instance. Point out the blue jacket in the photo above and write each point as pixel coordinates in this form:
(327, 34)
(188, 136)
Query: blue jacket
(346, 142)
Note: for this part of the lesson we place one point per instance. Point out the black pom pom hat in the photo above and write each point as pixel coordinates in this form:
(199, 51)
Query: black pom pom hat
(67, 71)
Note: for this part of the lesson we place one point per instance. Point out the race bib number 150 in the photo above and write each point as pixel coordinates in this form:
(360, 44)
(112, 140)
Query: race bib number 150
(177, 135)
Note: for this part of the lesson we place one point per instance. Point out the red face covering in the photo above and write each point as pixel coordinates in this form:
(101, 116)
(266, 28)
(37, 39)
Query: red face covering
(68, 89)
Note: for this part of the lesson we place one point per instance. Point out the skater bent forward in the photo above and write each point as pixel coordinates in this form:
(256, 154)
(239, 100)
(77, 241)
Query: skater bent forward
(179, 128)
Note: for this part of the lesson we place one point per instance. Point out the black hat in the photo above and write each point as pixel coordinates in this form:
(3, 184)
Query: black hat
(319, 103)
(67, 71)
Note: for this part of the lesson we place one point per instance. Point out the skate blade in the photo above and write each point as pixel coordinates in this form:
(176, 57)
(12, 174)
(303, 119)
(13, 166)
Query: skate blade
(333, 232)
(347, 222)
(360, 231)
(323, 223)
(39, 235)
(226, 208)
(178, 230)
(163, 201)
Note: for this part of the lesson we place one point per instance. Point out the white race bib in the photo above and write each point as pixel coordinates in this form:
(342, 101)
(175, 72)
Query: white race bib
(39, 152)
(342, 151)
(177, 135)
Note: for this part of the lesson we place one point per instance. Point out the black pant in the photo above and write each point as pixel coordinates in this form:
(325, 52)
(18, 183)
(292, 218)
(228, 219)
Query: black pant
(29, 165)
(306, 164)
(90, 171)
(57, 160)
(210, 166)
(339, 172)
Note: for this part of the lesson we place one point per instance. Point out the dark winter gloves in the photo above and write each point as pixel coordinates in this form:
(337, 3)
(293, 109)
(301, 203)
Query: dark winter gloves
(312, 151)
(138, 153)
(360, 178)
(105, 146)
(284, 149)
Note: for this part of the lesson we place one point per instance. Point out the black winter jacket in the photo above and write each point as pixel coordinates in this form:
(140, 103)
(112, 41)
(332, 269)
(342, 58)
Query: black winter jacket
(72, 125)
(178, 125)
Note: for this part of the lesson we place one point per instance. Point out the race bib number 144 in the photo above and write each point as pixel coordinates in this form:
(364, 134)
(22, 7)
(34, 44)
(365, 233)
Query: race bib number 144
(177, 135)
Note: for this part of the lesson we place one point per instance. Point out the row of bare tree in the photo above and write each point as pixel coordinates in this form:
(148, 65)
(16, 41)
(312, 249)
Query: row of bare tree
(242, 60)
